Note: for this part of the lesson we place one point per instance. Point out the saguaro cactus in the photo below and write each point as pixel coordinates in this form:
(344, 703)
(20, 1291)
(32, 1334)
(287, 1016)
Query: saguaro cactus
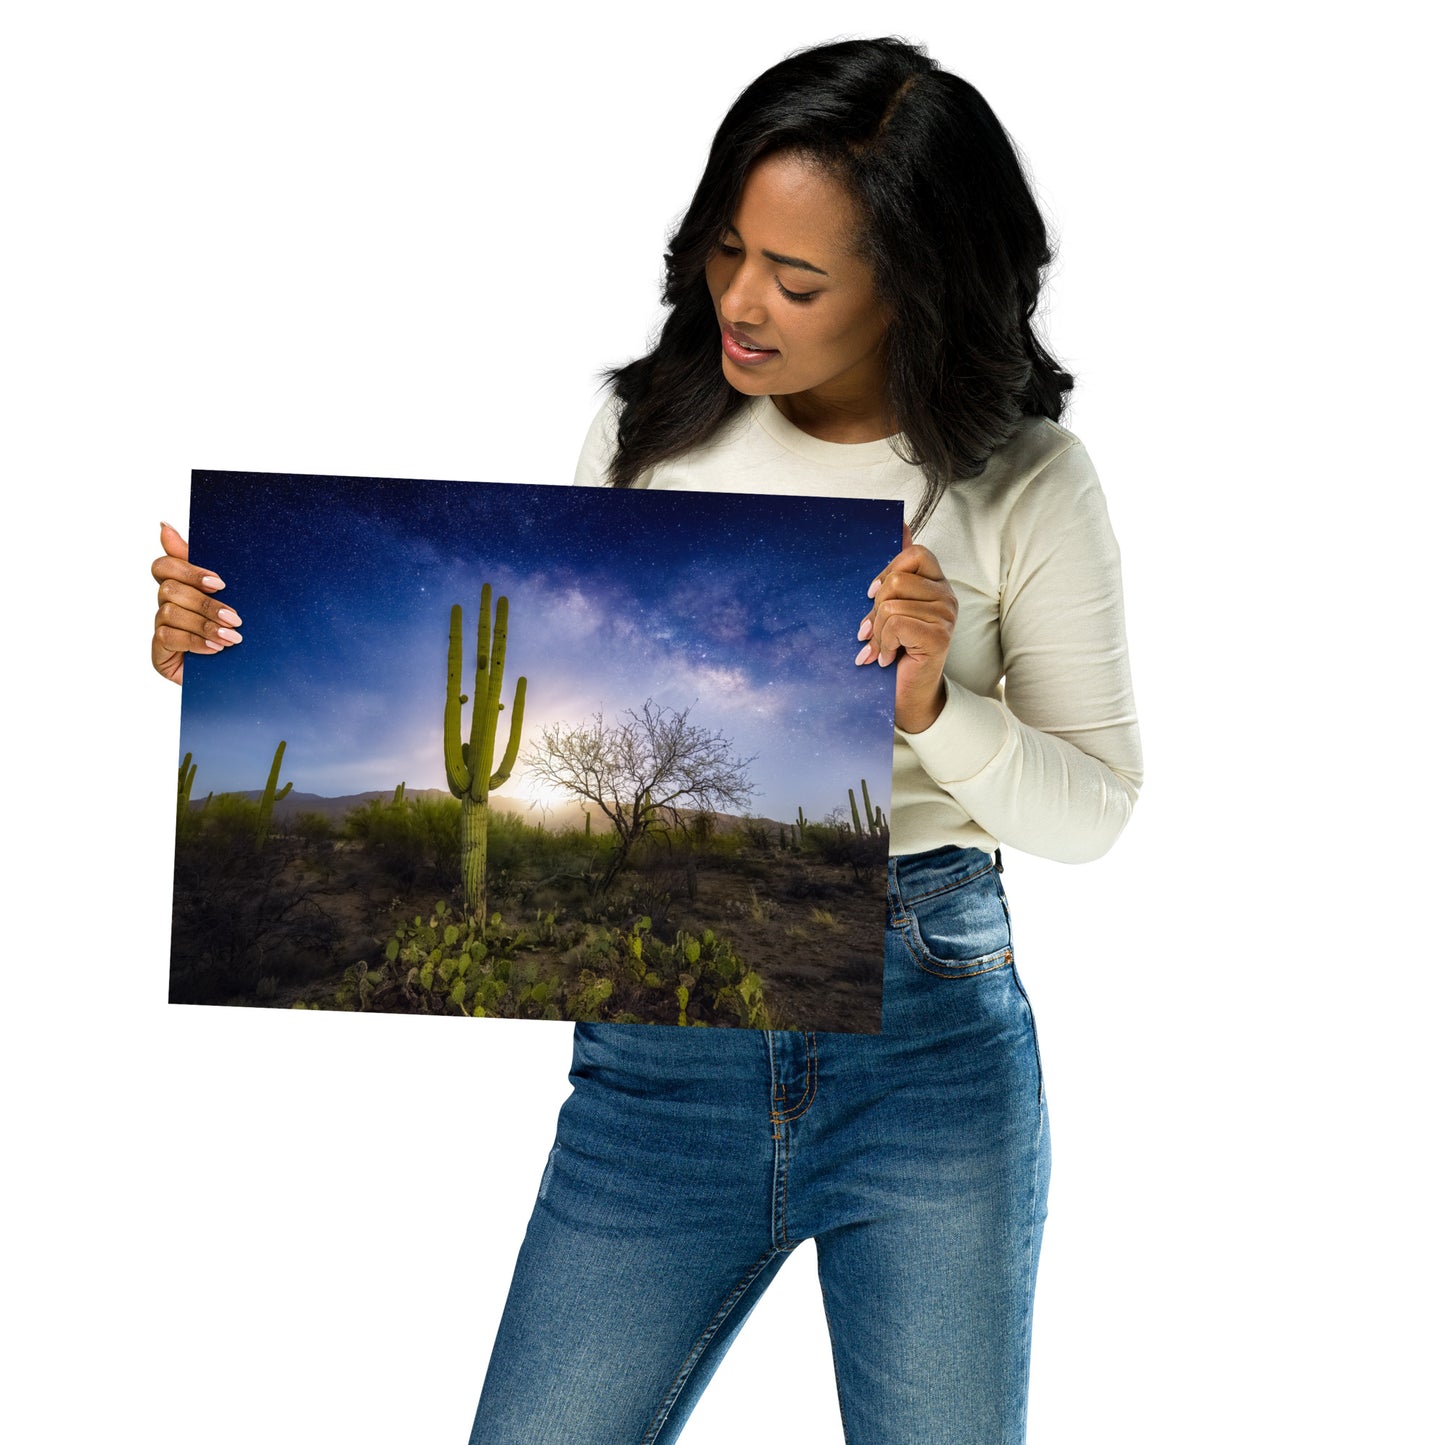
(877, 823)
(399, 796)
(185, 816)
(469, 764)
(269, 797)
(184, 779)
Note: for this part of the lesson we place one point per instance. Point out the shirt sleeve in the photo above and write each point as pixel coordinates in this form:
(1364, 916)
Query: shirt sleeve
(1054, 765)
(598, 447)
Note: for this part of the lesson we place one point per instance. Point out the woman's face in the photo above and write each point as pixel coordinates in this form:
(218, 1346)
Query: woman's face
(796, 305)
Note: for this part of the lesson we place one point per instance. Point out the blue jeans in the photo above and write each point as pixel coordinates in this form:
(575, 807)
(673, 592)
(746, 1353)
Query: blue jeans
(689, 1163)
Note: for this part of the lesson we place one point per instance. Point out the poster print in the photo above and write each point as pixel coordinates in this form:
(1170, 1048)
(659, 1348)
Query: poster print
(505, 750)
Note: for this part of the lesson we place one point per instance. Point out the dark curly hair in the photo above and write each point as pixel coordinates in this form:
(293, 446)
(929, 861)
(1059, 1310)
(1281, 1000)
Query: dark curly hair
(949, 226)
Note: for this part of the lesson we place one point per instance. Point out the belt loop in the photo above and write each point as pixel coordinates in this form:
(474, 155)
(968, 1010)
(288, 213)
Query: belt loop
(998, 859)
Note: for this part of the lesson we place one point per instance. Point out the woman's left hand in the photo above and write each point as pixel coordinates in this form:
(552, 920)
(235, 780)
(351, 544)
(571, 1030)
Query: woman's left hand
(914, 610)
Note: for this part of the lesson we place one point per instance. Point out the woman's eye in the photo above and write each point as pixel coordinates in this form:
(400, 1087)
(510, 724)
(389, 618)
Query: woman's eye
(725, 248)
(796, 295)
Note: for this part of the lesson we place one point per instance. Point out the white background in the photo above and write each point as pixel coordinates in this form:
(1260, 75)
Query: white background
(401, 241)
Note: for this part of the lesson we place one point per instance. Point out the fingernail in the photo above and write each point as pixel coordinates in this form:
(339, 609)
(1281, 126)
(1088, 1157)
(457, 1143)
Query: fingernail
(866, 630)
(877, 583)
(214, 646)
(228, 634)
(226, 614)
(214, 583)
(862, 655)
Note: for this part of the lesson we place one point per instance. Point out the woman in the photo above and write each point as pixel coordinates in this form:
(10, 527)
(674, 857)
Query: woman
(850, 298)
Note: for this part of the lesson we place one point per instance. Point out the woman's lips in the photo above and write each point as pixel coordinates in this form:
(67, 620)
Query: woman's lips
(739, 347)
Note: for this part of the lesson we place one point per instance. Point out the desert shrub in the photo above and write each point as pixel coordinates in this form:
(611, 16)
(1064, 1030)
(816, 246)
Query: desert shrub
(759, 910)
(863, 853)
(519, 846)
(416, 842)
(312, 829)
(724, 847)
(511, 843)
(801, 886)
(241, 917)
(228, 821)
(755, 870)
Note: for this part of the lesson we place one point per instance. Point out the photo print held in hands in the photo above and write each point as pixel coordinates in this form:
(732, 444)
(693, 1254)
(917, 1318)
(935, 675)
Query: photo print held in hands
(521, 751)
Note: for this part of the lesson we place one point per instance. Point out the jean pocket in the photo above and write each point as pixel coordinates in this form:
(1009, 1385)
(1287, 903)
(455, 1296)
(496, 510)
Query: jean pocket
(960, 930)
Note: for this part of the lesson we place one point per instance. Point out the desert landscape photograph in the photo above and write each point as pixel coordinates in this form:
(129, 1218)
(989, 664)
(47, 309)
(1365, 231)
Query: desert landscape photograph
(522, 751)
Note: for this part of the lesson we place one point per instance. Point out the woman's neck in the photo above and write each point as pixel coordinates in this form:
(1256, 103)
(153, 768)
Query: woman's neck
(831, 420)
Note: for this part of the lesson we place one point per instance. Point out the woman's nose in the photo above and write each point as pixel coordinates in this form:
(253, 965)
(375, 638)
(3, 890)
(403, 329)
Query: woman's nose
(741, 302)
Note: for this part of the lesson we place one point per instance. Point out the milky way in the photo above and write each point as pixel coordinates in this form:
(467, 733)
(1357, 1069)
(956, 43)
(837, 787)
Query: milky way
(742, 608)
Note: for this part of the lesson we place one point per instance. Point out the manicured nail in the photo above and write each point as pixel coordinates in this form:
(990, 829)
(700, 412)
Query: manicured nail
(862, 655)
(226, 614)
(214, 583)
(866, 630)
(227, 634)
(877, 583)
(214, 646)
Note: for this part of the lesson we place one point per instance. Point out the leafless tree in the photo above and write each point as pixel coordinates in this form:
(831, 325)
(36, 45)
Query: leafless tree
(642, 769)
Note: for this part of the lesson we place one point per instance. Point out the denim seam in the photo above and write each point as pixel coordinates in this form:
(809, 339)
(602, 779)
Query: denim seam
(837, 1373)
(1033, 1033)
(946, 888)
(782, 1147)
(810, 1086)
(964, 967)
(1022, 1345)
(703, 1340)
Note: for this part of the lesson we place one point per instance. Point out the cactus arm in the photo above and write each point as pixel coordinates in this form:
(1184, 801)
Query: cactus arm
(853, 803)
(458, 776)
(483, 707)
(275, 775)
(186, 777)
(269, 796)
(867, 806)
(491, 657)
(514, 741)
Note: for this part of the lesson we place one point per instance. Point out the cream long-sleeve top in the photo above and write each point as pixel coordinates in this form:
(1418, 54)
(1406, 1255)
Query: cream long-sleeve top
(1037, 746)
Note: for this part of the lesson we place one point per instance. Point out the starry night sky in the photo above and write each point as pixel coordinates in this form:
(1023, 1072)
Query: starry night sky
(742, 608)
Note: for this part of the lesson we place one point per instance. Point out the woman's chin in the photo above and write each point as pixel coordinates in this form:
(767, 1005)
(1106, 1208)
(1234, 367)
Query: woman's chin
(740, 378)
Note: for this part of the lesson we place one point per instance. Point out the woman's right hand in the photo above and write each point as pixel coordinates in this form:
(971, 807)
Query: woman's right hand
(189, 618)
